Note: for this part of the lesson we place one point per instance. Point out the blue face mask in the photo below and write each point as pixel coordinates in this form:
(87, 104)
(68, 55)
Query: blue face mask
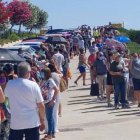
(42, 75)
(2, 80)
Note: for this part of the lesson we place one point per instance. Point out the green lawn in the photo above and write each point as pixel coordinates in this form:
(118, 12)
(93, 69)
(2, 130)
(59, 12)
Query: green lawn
(133, 47)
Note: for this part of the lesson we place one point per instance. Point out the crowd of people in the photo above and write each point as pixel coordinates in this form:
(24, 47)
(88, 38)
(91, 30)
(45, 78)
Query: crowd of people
(30, 91)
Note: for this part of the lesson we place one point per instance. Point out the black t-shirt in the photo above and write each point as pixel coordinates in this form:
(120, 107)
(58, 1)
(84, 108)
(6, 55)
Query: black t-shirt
(117, 67)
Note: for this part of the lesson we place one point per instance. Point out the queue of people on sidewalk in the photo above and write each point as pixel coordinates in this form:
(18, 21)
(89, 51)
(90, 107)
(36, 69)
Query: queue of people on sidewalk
(30, 91)
(32, 88)
(114, 69)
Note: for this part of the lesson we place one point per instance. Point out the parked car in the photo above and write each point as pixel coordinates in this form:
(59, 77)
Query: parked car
(34, 45)
(29, 52)
(36, 39)
(55, 31)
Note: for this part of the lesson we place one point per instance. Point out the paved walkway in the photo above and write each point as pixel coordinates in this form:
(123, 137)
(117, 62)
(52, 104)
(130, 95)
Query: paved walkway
(83, 118)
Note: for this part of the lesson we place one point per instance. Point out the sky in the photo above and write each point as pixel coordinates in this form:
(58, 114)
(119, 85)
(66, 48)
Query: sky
(73, 13)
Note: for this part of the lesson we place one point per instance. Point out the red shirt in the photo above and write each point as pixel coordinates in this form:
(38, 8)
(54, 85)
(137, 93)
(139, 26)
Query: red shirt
(91, 59)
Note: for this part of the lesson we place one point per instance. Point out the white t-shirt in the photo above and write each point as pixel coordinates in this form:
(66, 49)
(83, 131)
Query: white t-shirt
(59, 59)
(56, 79)
(23, 96)
(81, 44)
(47, 90)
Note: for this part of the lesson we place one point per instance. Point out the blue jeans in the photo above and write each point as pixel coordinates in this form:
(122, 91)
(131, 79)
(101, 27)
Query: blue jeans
(50, 119)
(120, 91)
(30, 134)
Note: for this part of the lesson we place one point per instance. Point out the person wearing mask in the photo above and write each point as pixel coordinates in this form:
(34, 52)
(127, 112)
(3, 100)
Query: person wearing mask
(26, 106)
(9, 69)
(93, 48)
(59, 59)
(135, 73)
(91, 60)
(63, 51)
(100, 68)
(75, 44)
(117, 72)
(2, 97)
(81, 43)
(5, 118)
(49, 91)
(57, 107)
(3, 79)
(109, 86)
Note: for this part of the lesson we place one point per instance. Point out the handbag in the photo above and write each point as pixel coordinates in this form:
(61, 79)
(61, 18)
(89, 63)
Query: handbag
(63, 85)
(2, 115)
(94, 89)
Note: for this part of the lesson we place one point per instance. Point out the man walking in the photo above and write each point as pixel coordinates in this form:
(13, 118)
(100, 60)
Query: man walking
(26, 106)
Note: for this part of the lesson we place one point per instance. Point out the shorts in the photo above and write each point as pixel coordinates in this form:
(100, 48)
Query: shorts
(82, 69)
(136, 84)
(65, 72)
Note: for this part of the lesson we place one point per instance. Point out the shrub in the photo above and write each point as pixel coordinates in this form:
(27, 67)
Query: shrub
(13, 37)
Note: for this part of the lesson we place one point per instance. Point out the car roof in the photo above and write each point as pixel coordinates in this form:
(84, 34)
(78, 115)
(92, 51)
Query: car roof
(32, 43)
(28, 42)
(24, 47)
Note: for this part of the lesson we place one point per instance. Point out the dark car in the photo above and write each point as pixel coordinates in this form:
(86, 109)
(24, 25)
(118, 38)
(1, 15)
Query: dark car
(55, 31)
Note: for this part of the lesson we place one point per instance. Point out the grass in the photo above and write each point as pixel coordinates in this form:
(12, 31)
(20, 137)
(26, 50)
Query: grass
(133, 47)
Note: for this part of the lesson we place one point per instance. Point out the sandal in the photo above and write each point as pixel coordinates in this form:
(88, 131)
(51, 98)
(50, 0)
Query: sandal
(47, 137)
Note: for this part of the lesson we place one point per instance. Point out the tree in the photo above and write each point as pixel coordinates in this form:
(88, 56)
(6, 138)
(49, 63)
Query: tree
(4, 13)
(42, 19)
(38, 20)
(31, 24)
(21, 12)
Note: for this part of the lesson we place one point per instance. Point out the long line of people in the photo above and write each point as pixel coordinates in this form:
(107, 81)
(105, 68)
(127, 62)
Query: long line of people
(32, 88)
(115, 70)
(28, 87)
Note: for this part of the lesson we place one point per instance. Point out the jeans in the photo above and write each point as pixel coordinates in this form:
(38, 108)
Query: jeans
(120, 91)
(50, 119)
(55, 112)
(30, 134)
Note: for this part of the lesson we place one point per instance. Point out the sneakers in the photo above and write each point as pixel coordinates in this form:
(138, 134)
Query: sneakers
(117, 107)
(109, 105)
(125, 106)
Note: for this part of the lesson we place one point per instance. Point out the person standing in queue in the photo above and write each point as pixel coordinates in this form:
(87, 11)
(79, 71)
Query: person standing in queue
(49, 92)
(26, 106)
(117, 72)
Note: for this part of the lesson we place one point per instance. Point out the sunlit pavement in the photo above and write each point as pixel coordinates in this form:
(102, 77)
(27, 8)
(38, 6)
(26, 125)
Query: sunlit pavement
(83, 118)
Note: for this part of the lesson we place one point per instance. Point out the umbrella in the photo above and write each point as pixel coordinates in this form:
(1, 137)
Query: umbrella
(123, 39)
(112, 43)
(7, 56)
(56, 40)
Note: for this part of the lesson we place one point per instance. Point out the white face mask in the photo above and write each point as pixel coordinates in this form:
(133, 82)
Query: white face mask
(101, 58)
